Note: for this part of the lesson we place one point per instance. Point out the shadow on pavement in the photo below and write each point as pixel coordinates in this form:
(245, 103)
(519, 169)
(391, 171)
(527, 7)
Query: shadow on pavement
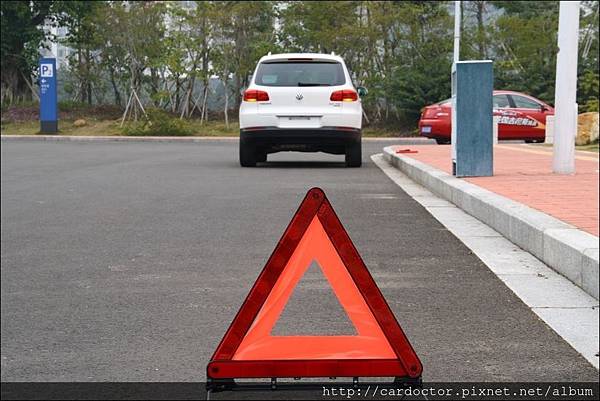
(301, 164)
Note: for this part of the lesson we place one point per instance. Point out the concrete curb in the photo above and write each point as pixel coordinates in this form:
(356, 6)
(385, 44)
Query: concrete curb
(74, 138)
(566, 249)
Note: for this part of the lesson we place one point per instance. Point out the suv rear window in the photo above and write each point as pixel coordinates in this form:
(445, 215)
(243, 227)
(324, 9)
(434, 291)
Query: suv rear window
(300, 73)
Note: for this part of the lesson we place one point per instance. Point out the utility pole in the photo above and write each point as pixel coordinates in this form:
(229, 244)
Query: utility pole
(456, 58)
(456, 30)
(565, 120)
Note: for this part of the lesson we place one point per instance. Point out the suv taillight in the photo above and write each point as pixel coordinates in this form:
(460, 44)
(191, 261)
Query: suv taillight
(346, 95)
(254, 95)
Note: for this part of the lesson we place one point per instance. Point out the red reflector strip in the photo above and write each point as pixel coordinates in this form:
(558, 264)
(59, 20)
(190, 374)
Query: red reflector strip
(307, 368)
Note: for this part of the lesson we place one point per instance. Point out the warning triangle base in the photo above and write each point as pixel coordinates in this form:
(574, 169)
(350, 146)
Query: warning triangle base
(359, 387)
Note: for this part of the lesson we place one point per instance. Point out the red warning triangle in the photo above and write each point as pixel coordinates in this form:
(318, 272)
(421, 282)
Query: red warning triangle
(380, 348)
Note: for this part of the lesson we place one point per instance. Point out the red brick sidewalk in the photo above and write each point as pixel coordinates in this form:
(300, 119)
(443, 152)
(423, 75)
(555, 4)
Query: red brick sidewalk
(524, 174)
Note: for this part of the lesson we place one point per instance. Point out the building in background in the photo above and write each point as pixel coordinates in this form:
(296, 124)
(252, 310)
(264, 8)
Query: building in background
(55, 47)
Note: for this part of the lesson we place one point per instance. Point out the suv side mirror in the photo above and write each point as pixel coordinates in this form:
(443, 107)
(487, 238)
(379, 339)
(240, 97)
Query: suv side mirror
(362, 91)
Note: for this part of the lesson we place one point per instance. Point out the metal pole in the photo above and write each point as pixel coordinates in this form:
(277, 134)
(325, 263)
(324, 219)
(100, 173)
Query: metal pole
(565, 120)
(456, 31)
(456, 58)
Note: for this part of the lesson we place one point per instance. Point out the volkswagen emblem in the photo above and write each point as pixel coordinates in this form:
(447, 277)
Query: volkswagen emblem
(299, 96)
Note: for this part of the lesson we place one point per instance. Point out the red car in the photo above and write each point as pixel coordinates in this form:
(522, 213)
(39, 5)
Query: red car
(522, 117)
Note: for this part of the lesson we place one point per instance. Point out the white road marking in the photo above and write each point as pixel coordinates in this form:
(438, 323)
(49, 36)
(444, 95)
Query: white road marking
(378, 196)
(566, 308)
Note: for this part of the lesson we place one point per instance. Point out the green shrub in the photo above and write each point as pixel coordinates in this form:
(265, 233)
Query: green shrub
(21, 104)
(589, 105)
(158, 123)
(587, 91)
(71, 105)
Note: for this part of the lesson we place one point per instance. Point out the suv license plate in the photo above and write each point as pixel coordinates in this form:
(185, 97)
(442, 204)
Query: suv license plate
(426, 130)
(305, 118)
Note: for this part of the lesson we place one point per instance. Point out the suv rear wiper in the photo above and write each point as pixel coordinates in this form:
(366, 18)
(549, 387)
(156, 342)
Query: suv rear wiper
(310, 84)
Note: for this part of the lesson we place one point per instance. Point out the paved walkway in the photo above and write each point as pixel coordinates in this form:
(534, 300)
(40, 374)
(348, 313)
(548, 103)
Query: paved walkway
(524, 174)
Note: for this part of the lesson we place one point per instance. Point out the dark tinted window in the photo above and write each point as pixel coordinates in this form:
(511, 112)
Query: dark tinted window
(522, 102)
(300, 73)
(501, 101)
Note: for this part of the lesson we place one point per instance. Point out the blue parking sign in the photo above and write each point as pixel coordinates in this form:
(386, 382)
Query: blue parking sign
(48, 97)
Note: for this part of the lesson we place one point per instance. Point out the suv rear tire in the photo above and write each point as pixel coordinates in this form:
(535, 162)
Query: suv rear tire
(261, 156)
(247, 154)
(354, 155)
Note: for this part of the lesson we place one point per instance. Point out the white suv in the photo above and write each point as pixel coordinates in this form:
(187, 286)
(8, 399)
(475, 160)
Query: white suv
(301, 102)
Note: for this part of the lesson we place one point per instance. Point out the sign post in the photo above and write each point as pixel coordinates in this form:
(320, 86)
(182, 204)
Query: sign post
(48, 97)
(456, 58)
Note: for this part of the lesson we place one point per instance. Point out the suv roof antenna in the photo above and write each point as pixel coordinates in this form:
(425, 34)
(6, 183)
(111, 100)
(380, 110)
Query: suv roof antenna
(269, 54)
(333, 53)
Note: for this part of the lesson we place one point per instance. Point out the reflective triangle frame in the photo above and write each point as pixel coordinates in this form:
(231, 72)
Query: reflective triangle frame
(406, 364)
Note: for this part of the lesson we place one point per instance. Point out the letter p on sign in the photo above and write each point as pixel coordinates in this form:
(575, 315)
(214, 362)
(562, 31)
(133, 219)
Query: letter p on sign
(47, 71)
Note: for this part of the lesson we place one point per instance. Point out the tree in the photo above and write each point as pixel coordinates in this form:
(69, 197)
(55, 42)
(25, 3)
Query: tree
(421, 74)
(135, 32)
(382, 26)
(245, 34)
(191, 43)
(320, 27)
(223, 55)
(475, 29)
(78, 18)
(525, 47)
(22, 36)
(588, 88)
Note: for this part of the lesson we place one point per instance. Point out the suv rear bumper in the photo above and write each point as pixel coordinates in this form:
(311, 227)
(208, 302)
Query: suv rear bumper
(327, 139)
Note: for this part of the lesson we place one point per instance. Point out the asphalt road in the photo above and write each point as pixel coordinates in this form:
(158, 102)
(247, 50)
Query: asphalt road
(127, 262)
